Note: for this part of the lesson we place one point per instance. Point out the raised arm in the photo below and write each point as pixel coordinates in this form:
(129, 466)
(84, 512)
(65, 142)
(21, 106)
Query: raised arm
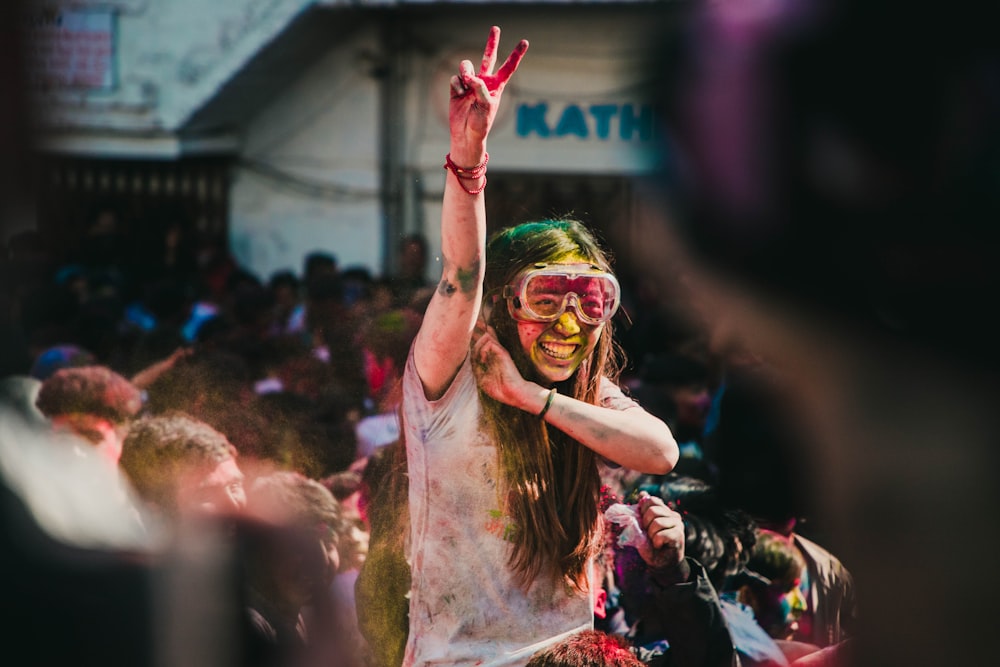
(443, 340)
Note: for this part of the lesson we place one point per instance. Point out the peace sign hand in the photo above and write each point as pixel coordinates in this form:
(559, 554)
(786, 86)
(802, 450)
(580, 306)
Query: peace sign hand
(475, 98)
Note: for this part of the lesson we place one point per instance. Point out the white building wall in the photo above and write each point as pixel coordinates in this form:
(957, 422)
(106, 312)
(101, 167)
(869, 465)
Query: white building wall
(308, 177)
(326, 129)
(170, 57)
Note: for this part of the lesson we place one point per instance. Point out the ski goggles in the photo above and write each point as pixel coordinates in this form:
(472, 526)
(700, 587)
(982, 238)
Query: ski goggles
(543, 293)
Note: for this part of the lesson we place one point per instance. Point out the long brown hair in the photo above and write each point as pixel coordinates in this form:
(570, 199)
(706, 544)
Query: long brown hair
(551, 480)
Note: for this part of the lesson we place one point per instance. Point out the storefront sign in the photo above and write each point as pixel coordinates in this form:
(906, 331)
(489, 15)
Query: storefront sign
(71, 48)
(627, 122)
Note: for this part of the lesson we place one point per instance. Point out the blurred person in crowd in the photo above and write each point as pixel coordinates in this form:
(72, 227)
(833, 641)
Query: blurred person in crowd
(357, 286)
(182, 466)
(288, 573)
(673, 611)
(346, 488)
(61, 356)
(513, 353)
(319, 263)
(777, 595)
(332, 328)
(412, 273)
(325, 309)
(94, 403)
(721, 539)
(385, 344)
(74, 561)
(828, 180)
(289, 308)
(829, 598)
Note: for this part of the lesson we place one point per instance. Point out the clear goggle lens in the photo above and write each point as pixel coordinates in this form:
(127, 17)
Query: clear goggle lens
(542, 295)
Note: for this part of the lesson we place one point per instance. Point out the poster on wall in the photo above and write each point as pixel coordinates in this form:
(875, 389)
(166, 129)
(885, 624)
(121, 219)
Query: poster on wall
(71, 49)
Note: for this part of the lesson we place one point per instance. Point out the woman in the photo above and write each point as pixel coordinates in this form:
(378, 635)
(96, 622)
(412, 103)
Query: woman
(503, 440)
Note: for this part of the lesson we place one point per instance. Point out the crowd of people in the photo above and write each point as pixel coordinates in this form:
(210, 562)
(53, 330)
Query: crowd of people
(404, 470)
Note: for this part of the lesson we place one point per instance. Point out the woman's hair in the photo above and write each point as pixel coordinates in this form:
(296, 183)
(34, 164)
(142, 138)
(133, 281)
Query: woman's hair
(552, 480)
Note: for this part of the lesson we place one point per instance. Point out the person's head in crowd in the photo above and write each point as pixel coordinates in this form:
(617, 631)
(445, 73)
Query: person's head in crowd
(413, 258)
(357, 284)
(285, 288)
(291, 572)
(325, 310)
(285, 285)
(60, 356)
(346, 488)
(318, 263)
(777, 593)
(587, 648)
(180, 465)
(92, 402)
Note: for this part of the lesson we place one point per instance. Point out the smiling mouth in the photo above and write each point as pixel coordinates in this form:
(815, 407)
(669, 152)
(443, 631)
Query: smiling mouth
(560, 351)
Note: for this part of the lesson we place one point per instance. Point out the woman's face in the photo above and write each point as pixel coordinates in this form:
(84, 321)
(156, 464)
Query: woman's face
(556, 349)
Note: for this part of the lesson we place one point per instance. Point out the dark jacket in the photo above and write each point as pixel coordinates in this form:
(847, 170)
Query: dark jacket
(679, 605)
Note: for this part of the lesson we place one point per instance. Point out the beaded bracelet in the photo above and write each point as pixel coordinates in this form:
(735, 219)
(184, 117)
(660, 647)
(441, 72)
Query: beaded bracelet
(468, 174)
(548, 403)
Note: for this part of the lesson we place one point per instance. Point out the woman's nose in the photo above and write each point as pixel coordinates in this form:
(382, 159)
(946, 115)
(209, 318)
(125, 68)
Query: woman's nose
(567, 324)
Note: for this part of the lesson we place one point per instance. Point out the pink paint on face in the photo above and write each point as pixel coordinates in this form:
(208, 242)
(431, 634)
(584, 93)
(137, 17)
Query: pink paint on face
(556, 349)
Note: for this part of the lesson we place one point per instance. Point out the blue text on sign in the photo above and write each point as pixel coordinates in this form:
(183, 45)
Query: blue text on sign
(632, 121)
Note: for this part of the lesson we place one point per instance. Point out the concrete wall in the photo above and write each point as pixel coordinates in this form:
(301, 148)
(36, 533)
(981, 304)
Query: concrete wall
(170, 56)
(309, 178)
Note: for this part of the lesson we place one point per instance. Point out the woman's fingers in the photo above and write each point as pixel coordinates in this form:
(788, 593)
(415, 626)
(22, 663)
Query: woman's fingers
(510, 65)
(490, 52)
(465, 72)
(484, 83)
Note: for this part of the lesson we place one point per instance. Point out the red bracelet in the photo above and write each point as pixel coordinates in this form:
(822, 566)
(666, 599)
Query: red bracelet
(469, 174)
